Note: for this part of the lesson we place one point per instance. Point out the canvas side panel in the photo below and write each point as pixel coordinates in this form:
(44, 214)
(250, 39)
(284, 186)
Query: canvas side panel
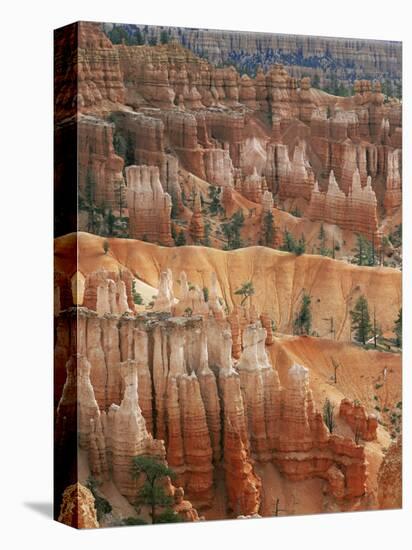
(65, 267)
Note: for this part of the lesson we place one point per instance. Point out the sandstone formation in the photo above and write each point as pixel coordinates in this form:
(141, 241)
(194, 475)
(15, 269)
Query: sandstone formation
(171, 110)
(377, 56)
(197, 227)
(195, 381)
(100, 168)
(77, 508)
(340, 285)
(363, 425)
(390, 477)
(356, 211)
(149, 206)
(157, 352)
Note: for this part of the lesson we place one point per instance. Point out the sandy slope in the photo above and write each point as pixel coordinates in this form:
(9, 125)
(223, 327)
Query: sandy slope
(279, 278)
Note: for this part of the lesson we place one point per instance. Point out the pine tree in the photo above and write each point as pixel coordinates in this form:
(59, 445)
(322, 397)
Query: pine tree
(152, 493)
(300, 246)
(329, 415)
(268, 228)
(164, 37)
(180, 239)
(246, 290)
(129, 158)
(303, 321)
(289, 243)
(214, 196)
(316, 81)
(139, 37)
(398, 329)
(137, 297)
(361, 323)
(110, 222)
(231, 230)
(365, 251)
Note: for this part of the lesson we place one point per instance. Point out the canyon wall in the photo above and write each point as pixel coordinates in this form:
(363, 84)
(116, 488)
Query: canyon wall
(167, 386)
(168, 109)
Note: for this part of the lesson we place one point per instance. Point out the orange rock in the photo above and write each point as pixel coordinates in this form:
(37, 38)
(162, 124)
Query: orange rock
(78, 508)
(197, 227)
(390, 477)
(183, 507)
(363, 425)
(149, 206)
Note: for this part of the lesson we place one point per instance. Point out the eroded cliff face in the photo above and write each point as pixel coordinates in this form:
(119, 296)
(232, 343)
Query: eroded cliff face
(157, 353)
(304, 54)
(166, 384)
(164, 108)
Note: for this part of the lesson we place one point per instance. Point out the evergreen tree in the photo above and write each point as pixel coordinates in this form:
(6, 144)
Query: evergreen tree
(361, 323)
(329, 415)
(246, 290)
(175, 206)
(365, 253)
(137, 297)
(90, 187)
(214, 196)
(180, 239)
(164, 37)
(119, 145)
(303, 321)
(300, 246)
(268, 228)
(105, 246)
(316, 81)
(208, 229)
(110, 222)
(398, 329)
(152, 493)
(129, 154)
(289, 243)
(231, 230)
(102, 505)
(139, 37)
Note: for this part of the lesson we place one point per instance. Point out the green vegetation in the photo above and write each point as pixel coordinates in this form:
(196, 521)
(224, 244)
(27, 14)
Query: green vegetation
(323, 250)
(214, 196)
(291, 245)
(102, 505)
(246, 290)
(365, 252)
(329, 415)
(231, 230)
(164, 37)
(208, 229)
(315, 81)
(134, 521)
(180, 240)
(152, 492)
(206, 293)
(300, 247)
(396, 236)
(268, 228)
(106, 246)
(110, 220)
(303, 321)
(398, 329)
(361, 323)
(296, 212)
(137, 297)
